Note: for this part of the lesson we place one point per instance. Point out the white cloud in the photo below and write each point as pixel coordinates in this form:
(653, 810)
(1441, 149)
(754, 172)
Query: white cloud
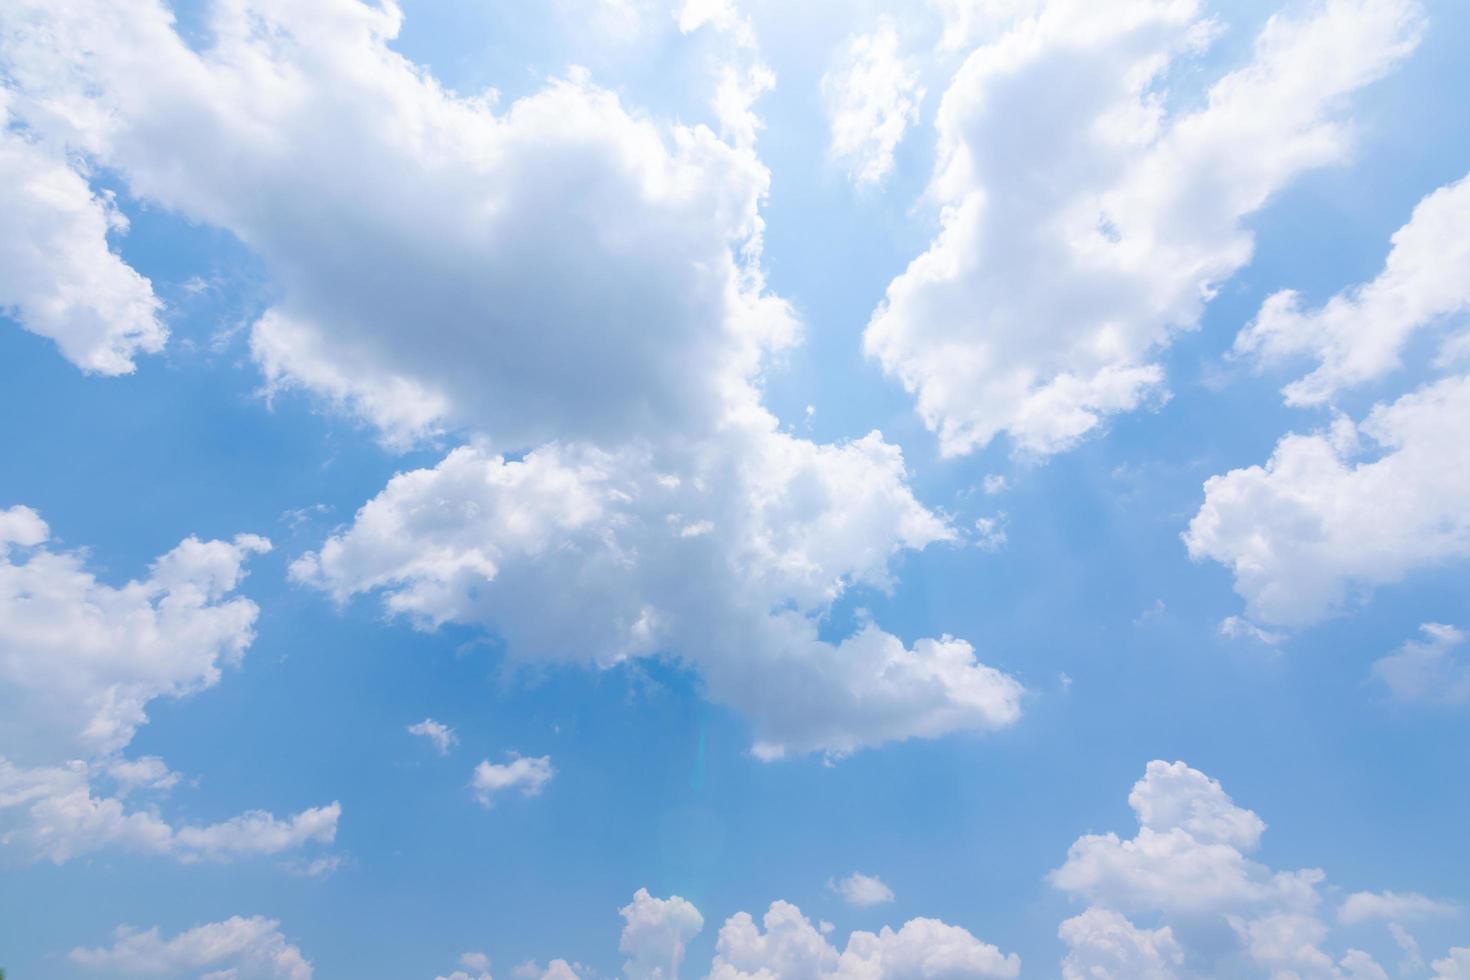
(1236, 628)
(425, 265)
(872, 95)
(1319, 523)
(555, 970)
(790, 946)
(1427, 671)
(442, 736)
(1103, 945)
(655, 932)
(58, 275)
(564, 275)
(1359, 334)
(52, 812)
(529, 775)
(478, 963)
(1085, 219)
(81, 660)
(1219, 912)
(990, 532)
(250, 949)
(862, 890)
(1393, 906)
(575, 553)
(1456, 966)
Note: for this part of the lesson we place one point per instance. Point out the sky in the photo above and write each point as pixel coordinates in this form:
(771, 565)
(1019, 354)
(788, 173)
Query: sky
(734, 489)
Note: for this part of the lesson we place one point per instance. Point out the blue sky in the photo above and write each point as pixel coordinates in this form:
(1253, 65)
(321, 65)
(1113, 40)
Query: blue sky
(846, 471)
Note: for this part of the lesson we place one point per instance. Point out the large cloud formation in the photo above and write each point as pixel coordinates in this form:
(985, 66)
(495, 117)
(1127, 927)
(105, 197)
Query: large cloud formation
(1087, 213)
(79, 662)
(566, 276)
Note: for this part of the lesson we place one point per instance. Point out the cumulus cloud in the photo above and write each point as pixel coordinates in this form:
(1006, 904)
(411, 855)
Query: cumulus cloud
(861, 890)
(426, 283)
(248, 949)
(726, 556)
(80, 661)
(529, 775)
(1102, 944)
(872, 96)
(477, 963)
(59, 277)
(1220, 913)
(1326, 519)
(655, 933)
(440, 735)
(786, 944)
(563, 275)
(1455, 966)
(1359, 334)
(1087, 214)
(1427, 671)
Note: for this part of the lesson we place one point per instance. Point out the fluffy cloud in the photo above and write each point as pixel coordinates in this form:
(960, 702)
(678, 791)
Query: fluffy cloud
(861, 890)
(786, 944)
(1427, 671)
(442, 736)
(250, 949)
(1320, 521)
(1084, 221)
(58, 276)
(477, 962)
(726, 556)
(80, 660)
(872, 95)
(529, 775)
(1102, 944)
(1223, 914)
(1456, 966)
(563, 274)
(1359, 334)
(654, 935)
(1324, 518)
(561, 269)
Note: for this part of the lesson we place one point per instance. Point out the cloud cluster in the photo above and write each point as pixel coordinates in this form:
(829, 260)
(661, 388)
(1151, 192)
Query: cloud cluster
(1218, 911)
(236, 949)
(80, 661)
(562, 274)
(786, 946)
(1087, 213)
(1332, 514)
